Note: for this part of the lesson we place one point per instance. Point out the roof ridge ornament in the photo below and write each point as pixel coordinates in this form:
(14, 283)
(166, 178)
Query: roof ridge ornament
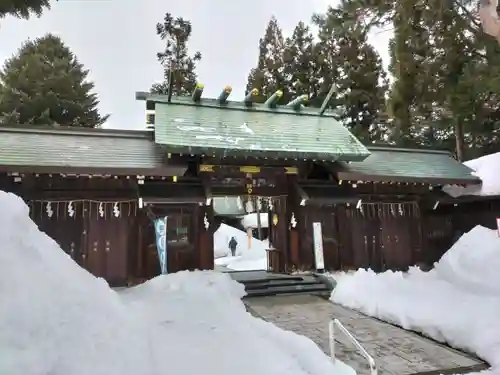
(250, 97)
(222, 99)
(298, 102)
(272, 101)
(197, 92)
(324, 105)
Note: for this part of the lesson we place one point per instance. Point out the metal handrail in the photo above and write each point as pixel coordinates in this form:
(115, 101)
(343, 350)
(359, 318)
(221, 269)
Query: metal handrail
(352, 339)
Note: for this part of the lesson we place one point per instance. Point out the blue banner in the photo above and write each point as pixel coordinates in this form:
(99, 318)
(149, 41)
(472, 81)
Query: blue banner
(161, 242)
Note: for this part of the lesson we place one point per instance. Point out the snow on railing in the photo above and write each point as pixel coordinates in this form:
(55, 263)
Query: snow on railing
(352, 339)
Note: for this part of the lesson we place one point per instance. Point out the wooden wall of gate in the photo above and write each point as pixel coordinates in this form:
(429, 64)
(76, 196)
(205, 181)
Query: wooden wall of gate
(380, 236)
(443, 226)
(467, 215)
(121, 246)
(99, 236)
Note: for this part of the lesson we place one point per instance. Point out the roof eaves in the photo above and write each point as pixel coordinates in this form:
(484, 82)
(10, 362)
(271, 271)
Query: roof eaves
(72, 131)
(409, 150)
(358, 176)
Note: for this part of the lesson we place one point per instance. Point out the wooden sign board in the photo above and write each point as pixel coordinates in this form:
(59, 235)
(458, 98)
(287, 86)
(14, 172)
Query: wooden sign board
(318, 247)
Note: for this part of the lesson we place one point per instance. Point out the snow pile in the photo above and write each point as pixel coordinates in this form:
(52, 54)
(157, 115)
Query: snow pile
(250, 220)
(457, 302)
(473, 263)
(487, 168)
(203, 318)
(253, 258)
(57, 319)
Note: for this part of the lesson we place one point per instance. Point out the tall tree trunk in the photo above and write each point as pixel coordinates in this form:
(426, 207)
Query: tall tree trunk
(459, 140)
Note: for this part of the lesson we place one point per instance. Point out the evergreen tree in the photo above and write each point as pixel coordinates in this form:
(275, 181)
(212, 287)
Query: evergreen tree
(175, 58)
(349, 62)
(467, 66)
(23, 8)
(452, 88)
(44, 84)
(446, 87)
(269, 74)
(407, 53)
(300, 66)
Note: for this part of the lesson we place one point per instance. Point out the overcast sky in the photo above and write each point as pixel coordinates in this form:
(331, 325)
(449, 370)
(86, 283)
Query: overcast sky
(117, 41)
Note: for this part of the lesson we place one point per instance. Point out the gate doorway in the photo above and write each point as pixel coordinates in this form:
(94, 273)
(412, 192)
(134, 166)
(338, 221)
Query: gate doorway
(241, 236)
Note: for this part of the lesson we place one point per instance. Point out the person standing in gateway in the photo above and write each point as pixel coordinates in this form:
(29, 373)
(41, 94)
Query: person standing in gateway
(233, 244)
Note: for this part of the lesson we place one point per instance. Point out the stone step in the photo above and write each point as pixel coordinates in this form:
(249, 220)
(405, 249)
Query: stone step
(288, 289)
(281, 283)
(272, 279)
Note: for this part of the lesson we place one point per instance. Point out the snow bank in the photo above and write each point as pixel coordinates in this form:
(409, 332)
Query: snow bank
(254, 258)
(202, 315)
(250, 220)
(487, 168)
(457, 302)
(57, 319)
(473, 263)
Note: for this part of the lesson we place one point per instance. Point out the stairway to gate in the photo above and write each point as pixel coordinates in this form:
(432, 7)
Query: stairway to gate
(264, 283)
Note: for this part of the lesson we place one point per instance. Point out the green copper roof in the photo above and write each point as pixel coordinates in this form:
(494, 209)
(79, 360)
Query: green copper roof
(235, 130)
(54, 149)
(408, 165)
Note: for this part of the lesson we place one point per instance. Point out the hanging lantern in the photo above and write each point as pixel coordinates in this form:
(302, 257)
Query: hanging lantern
(101, 209)
(71, 209)
(275, 219)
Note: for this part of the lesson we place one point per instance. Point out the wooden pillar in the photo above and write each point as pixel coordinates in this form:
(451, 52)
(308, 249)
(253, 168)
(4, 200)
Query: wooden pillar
(292, 214)
(278, 236)
(206, 237)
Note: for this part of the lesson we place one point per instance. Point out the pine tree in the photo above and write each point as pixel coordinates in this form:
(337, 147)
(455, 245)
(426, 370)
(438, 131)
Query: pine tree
(23, 8)
(446, 87)
(349, 62)
(406, 55)
(44, 84)
(300, 65)
(466, 69)
(268, 76)
(175, 58)
(446, 66)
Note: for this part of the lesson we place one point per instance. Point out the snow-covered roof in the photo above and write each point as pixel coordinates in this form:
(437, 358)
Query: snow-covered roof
(487, 168)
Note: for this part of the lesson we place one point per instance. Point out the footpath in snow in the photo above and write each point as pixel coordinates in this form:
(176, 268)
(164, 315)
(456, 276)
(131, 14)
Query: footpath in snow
(57, 319)
(457, 302)
(247, 258)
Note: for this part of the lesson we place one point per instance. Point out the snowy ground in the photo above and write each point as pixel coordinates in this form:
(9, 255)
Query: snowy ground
(253, 258)
(457, 302)
(57, 319)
